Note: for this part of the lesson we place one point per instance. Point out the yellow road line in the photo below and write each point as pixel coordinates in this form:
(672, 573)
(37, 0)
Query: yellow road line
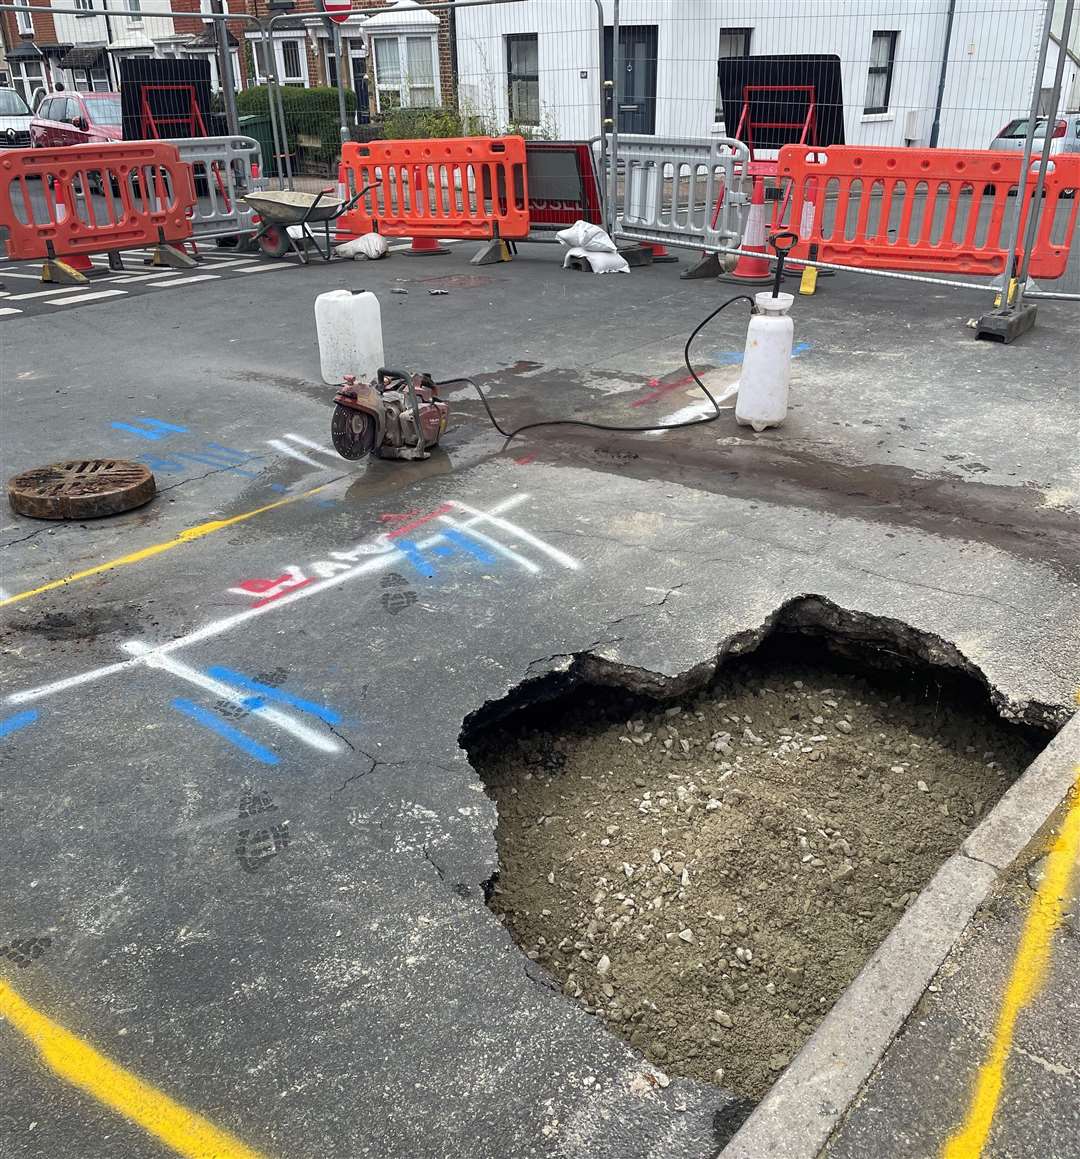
(1028, 973)
(188, 536)
(187, 1133)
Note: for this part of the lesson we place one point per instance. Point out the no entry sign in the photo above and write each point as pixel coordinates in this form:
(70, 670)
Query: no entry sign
(338, 10)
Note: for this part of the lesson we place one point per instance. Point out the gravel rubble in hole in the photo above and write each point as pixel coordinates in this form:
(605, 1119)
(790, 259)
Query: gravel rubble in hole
(708, 878)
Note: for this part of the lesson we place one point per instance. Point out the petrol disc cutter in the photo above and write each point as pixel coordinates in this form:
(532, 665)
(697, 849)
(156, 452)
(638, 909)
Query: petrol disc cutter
(397, 416)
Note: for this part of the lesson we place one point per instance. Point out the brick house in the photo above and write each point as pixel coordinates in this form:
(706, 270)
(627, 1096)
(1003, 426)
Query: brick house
(405, 51)
(32, 50)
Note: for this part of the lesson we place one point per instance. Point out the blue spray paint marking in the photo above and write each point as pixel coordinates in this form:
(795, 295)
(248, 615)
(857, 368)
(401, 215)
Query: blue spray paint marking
(456, 538)
(216, 462)
(152, 429)
(469, 545)
(412, 554)
(267, 692)
(734, 357)
(156, 464)
(226, 731)
(279, 487)
(19, 720)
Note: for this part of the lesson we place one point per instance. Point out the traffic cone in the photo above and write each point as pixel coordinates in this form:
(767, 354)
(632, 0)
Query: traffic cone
(659, 252)
(424, 246)
(752, 271)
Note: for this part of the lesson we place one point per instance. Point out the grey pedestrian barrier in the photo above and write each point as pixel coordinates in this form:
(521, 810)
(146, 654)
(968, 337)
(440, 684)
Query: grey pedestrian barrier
(670, 191)
(222, 167)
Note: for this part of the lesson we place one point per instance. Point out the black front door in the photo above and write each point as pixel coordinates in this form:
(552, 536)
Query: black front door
(637, 84)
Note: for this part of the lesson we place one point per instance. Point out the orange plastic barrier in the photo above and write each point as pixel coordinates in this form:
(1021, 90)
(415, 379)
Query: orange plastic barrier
(94, 198)
(937, 210)
(467, 187)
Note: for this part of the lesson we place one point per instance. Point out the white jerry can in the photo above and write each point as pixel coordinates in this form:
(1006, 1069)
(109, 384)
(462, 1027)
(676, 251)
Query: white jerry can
(766, 367)
(349, 325)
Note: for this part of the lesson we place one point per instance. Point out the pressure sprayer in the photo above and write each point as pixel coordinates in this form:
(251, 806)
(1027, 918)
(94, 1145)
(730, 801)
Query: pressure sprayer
(766, 367)
(397, 415)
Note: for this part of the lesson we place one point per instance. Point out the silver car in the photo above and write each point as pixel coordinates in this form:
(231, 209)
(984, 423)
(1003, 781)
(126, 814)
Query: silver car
(14, 120)
(1064, 135)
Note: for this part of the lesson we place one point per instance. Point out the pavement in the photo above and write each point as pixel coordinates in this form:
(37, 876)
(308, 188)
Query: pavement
(245, 852)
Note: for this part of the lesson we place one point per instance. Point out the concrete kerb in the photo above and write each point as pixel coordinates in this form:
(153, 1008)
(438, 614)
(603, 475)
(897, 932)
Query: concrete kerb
(807, 1103)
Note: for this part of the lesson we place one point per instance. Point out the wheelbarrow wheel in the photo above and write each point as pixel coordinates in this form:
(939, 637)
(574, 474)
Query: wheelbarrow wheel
(274, 242)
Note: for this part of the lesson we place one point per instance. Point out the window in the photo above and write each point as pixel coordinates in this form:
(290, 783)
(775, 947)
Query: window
(28, 77)
(733, 42)
(414, 85)
(291, 71)
(291, 58)
(523, 79)
(85, 5)
(24, 21)
(879, 74)
(12, 105)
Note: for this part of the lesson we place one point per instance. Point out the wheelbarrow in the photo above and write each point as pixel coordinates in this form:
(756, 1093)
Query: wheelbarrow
(280, 209)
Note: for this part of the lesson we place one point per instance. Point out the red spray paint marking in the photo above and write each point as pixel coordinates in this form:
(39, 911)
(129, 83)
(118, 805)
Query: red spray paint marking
(390, 517)
(405, 528)
(284, 592)
(525, 459)
(663, 388)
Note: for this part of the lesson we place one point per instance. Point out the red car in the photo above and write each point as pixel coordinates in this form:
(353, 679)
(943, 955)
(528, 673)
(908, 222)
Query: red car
(76, 119)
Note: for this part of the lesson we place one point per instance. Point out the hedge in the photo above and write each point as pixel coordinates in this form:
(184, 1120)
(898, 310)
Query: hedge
(312, 112)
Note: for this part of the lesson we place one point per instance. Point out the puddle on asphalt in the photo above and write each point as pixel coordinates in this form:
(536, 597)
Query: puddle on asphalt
(708, 874)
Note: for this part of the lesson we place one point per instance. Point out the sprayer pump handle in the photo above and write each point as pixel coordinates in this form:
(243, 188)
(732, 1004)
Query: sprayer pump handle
(787, 236)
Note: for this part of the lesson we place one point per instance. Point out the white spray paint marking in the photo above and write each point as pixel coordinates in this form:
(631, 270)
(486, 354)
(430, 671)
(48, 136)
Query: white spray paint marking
(236, 696)
(312, 445)
(492, 517)
(495, 545)
(283, 447)
(696, 410)
(227, 623)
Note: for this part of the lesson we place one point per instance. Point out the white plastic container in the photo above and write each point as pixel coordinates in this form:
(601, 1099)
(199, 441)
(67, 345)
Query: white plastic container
(766, 368)
(349, 325)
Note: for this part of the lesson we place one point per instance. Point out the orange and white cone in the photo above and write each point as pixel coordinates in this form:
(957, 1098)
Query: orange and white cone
(425, 245)
(752, 271)
(659, 252)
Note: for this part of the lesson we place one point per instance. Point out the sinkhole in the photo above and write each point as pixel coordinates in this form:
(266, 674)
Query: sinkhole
(706, 862)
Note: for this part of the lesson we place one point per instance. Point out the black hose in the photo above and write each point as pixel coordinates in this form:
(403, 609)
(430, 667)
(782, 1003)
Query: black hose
(604, 426)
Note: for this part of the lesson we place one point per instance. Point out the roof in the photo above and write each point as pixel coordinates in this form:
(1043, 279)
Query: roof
(24, 50)
(207, 39)
(402, 14)
(84, 56)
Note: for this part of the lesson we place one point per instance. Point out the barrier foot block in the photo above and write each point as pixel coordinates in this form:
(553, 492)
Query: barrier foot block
(169, 255)
(491, 252)
(636, 255)
(709, 266)
(59, 273)
(1006, 325)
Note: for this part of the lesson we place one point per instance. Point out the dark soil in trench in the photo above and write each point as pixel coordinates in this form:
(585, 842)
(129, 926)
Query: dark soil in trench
(708, 878)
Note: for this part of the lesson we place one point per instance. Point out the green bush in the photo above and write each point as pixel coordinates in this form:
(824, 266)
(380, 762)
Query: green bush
(422, 124)
(310, 112)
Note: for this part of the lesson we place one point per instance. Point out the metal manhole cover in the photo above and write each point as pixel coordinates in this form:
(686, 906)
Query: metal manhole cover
(81, 489)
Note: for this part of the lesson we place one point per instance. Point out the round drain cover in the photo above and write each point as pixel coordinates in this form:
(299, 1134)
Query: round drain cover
(81, 489)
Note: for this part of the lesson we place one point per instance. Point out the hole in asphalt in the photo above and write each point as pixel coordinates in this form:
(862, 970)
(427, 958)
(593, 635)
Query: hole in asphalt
(705, 863)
